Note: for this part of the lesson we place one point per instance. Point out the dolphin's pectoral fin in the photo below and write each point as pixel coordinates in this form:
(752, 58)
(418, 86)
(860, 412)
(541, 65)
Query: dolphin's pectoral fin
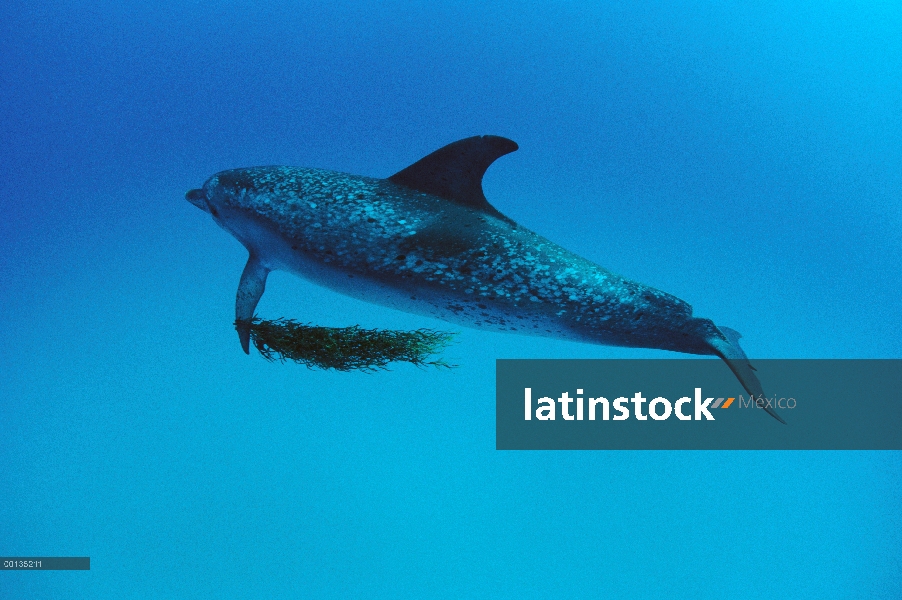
(732, 354)
(250, 290)
(455, 171)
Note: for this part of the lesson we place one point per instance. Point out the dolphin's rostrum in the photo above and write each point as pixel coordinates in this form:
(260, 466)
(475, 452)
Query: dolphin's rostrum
(427, 241)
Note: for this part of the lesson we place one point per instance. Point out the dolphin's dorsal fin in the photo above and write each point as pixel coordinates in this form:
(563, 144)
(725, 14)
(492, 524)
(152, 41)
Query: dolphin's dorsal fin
(455, 171)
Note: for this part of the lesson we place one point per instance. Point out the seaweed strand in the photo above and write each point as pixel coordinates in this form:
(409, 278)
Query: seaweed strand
(344, 348)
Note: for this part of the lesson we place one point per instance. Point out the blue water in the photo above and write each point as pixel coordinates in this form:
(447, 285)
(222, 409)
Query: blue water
(747, 159)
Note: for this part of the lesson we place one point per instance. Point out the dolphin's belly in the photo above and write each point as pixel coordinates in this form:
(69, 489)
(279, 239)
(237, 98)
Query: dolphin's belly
(421, 298)
(451, 304)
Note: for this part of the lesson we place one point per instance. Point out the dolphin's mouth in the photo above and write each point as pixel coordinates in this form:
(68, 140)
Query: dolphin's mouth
(198, 199)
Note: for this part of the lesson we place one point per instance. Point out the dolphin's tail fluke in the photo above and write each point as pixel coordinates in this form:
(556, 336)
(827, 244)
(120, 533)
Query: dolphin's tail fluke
(731, 352)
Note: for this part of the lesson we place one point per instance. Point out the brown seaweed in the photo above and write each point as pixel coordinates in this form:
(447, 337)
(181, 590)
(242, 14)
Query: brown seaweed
(345, 348)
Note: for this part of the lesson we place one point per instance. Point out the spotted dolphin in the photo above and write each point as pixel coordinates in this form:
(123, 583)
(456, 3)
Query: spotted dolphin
(426, 241)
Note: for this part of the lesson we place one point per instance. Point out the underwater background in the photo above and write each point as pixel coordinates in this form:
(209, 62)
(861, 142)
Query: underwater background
(745, 157)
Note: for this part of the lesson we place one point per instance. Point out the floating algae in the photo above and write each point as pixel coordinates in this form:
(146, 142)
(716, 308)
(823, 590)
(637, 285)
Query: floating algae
(344, 348)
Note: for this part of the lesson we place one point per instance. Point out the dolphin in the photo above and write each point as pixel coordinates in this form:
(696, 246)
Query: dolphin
(426, 241)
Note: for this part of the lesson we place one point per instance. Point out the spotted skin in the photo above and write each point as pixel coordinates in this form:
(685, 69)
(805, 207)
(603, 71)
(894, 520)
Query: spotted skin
(419, 253)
